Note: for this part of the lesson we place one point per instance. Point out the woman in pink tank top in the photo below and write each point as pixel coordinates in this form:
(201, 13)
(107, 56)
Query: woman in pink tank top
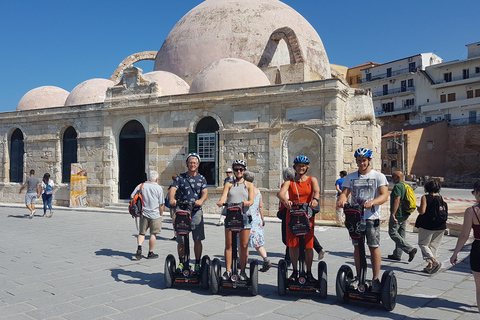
(471, 220)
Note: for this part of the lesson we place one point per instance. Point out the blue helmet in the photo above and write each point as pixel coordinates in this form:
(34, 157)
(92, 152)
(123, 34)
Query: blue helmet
(301, 159)
(193, 154)
(363, 152)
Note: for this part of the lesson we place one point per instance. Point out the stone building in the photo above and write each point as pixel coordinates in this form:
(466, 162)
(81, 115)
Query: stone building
(233, 79)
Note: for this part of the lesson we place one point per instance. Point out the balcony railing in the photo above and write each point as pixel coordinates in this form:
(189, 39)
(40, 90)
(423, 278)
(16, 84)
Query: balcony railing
(392, 91)
(392, 151)
(464, 121)
(458, 78)
(394, 74)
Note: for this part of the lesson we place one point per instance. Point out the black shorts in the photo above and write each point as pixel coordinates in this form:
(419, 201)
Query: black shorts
(475, 256)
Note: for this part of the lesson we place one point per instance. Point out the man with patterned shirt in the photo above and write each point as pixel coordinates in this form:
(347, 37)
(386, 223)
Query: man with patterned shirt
(191, 187)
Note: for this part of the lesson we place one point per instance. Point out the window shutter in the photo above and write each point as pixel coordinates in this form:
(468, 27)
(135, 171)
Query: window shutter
(192, 142)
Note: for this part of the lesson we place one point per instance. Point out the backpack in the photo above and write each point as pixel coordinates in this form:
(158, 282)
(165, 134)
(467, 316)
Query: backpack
(440, 214)
(49, 189)
(409, 203)
(299, 224)
(353, 215)
(136, 203)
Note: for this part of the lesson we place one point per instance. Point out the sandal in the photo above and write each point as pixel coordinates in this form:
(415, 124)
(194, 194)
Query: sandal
(435, 267)
(293, 276)
(428, 269)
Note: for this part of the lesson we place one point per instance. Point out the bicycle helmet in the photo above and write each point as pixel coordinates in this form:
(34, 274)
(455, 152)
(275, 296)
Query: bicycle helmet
(239, 162)
(193, 154)
(301, 159)
(363, 152)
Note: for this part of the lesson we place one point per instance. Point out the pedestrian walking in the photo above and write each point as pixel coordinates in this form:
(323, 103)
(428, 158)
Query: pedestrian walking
(339, 187)
(171, 208)
(471, 220)
(33, 189)
(397, 224)
(257, 237)
(430, 231)
(46, 191)
(191, 186)
(151, 217)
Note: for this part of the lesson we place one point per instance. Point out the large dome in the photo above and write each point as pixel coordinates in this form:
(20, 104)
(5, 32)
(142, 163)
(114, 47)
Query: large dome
(217, 29)
(43, 97)
(226, 74)
(169, 83)
(88, 92)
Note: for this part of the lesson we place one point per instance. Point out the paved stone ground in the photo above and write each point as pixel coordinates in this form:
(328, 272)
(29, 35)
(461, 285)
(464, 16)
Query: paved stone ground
(80, 265)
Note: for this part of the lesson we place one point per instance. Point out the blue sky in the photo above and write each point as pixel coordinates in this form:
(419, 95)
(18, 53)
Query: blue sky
(63, 43)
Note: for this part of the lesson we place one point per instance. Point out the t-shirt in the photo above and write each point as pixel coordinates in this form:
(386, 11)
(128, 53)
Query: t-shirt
(32, 183)
(44, 186)
(339, 183)
(189, 189)
(365, 188)
(397, 191)
(152, 199)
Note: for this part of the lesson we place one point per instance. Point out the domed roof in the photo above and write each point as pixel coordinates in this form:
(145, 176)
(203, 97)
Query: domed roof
(169, 83)
(88, 92)
(43, 97)
(217, 29)
(230, 73)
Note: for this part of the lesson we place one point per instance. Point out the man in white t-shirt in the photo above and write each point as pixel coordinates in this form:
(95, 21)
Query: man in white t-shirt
(369, 188)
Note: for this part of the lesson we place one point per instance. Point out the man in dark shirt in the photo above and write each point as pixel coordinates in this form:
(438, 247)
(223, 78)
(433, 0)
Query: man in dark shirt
(32, 185)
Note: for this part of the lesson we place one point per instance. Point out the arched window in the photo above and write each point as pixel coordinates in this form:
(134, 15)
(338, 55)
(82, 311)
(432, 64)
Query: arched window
(204, 141)
(69, 154)
(16, 156)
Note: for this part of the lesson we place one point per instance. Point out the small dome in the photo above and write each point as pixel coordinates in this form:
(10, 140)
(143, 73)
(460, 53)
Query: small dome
(43, 97)
(230, 73)
(169, 83)
(88, 92)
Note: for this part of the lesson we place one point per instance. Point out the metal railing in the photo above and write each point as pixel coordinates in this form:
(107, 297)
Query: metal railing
(458, 78)
(392, 91)
(394, 74)
(464, 121)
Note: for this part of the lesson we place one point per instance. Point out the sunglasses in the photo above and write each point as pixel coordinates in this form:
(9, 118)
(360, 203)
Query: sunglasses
(238, 169)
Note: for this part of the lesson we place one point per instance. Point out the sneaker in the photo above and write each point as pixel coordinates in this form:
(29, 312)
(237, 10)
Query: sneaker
(152, 255)
(310, 278)
(376, 286)
(32, 213)
(174, 238)
(51, 214)
(139, 254)
(242, 276)
(293, 276)
(219, 224)
(226, 275)
(266, 265)
(321, 254)
(197, 268)
(392, 257)
(354, 283)
(412, 254)
(180, 267)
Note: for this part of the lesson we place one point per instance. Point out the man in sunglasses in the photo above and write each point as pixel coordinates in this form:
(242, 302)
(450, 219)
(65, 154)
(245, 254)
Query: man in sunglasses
(191, 186)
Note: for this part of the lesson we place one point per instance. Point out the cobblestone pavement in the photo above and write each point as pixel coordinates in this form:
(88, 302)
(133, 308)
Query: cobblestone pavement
(80, 264)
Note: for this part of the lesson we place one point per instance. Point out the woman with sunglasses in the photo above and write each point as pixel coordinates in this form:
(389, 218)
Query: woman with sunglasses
(302, 189)
(471, 220)
(237, 191)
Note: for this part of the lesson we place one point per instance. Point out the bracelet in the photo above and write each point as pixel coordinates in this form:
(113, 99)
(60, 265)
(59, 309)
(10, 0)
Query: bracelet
(316, 199)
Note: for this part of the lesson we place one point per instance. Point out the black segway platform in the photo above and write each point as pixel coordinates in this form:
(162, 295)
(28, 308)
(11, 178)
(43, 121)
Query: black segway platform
(299, 226)
(234, 222)
(187, 275)
(347, 286)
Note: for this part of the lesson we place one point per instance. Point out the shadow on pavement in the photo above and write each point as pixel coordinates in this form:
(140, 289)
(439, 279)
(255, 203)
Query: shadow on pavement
(110, 253)
(153, 280)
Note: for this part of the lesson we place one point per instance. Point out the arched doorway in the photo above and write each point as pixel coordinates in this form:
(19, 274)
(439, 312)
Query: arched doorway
(204, 141)
(69, 154)
(131, 158)
(17, 150)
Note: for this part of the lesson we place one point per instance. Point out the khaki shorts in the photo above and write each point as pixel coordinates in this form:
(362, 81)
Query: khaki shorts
(372, 234)
(155, 225)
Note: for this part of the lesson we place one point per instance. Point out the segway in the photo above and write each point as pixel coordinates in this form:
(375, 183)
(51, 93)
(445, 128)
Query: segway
(234, 222)
(299, 225)
(363, 292)
(183, 227)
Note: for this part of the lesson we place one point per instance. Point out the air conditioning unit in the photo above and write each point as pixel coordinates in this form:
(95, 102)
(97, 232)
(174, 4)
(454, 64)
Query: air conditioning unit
(410, 59)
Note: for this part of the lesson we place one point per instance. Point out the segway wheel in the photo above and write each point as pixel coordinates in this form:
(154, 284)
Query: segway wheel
(389, 290)
(215, 271)
(282, 277)
(344, 276)
(254, 277)
(205, 271)
(322, 279)
(169, 270)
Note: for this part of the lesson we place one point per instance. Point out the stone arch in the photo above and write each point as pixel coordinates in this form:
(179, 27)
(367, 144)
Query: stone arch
(69, 151)
(293, 44)
(16, 154)
(129, 61)
(194, 122)
(308, 142)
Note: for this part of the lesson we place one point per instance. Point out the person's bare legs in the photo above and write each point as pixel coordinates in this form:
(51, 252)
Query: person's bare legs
(198, 248)
(228, 250)
(244, 236)
(476, 276)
